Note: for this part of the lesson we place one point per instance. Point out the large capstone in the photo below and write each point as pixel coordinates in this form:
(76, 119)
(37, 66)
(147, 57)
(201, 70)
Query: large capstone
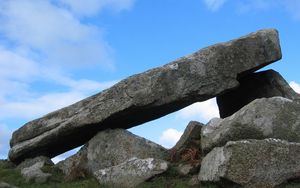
(143, 97)
(275, 117)
(254, 86)
(252, 163)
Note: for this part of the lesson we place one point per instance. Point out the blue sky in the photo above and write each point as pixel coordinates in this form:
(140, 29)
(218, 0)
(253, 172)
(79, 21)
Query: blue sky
(56, 52)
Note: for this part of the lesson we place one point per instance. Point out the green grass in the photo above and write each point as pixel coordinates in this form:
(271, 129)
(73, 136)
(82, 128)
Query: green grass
(170, 179)
(12, 176)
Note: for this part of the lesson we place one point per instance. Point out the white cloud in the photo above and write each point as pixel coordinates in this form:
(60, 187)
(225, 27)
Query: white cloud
(16, 72)
(91, 7)
(35, 107)
(43, 41)
(18, 99)
(290, 6)
(295, 86)
(214, 5)
(16, 67)
(39, 40)
(57, 159)
(54, 34)
(65, 155)
(256, 5)
(170, 137)
(40, 104)
(76, 85)
(5, 134)
(200, 111)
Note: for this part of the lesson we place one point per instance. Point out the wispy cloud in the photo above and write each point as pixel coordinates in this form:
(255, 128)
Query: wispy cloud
(214, 5)
(44, 41)
(18, 99)
(289, 6)
(65, 155)
(36, 105)
(52, 34)
(92, 7)
(170, 137)
(201, 111)
(5, 134)
(295, 86)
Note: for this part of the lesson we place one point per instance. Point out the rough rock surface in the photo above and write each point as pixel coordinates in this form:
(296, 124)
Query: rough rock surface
(35, 174)
(109, 148)
(143, 97)
(131, 173)
(254, 86)
(194, 181)
(252, 163)
(191, 138)
(188, 168)
(6, 185)
(275, 117)
(30, 162)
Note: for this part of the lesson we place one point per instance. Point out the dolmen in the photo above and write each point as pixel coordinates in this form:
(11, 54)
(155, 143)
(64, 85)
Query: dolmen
(205, 74)
(254, 143)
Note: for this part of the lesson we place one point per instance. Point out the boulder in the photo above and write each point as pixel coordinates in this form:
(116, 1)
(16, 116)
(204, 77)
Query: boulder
(252, 163)
(30, 162)
(35, 174)
(131, 173)
(194, 181)
(254, 86)
(109, 148)
(188, 168)
(6, 185)
(275, 117)
(143, 97)
(190, 139)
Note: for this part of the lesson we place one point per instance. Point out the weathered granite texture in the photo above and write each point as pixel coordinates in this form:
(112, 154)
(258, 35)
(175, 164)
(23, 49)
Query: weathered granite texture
(109, 148)
(263, 84)
(275, 117)
(131, 172)
(35, 174)
(190, 139)
(252, 163)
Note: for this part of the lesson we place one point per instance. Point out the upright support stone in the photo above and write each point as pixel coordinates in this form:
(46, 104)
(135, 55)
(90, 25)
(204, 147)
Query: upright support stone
(254, 86)
(275, 117)
(190, 139)
(202, 75)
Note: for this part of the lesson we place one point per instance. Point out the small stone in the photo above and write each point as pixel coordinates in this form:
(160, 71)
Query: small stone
(194, 181)
(6, 185)
(30, 162)
(188, 169)
(131, 173)
(35, 174)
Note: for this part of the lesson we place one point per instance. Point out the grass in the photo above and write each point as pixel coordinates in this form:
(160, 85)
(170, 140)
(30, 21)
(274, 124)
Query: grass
(12, 176)
(170, 179)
